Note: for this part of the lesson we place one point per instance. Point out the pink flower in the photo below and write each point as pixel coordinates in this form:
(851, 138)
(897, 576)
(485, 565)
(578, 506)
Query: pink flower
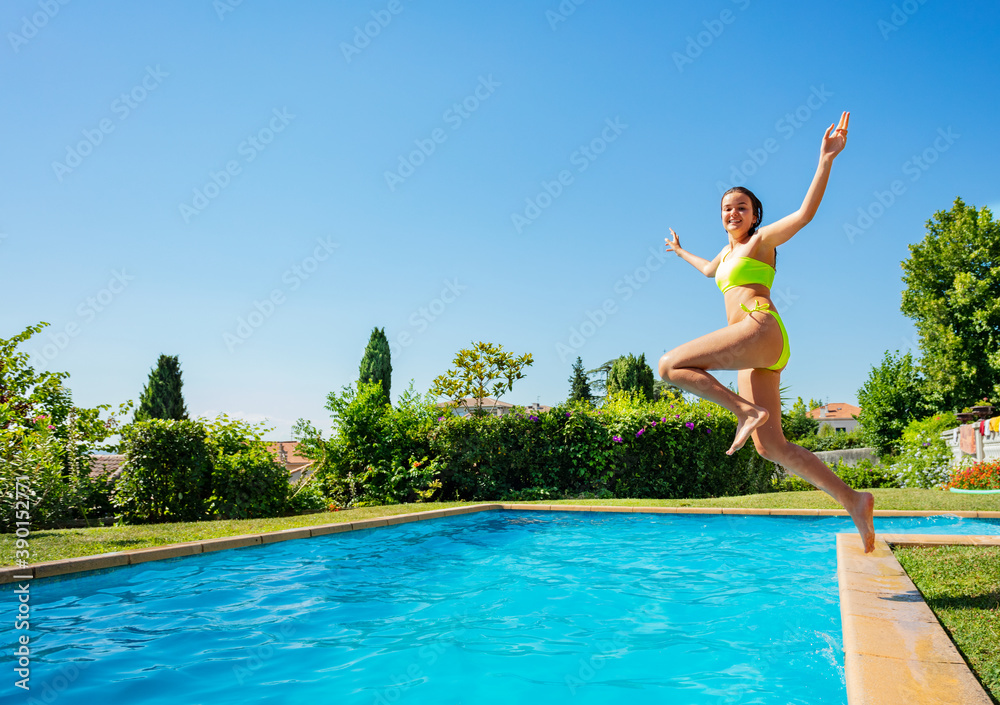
(689, 424)
(653, 423)
(616, 439)
(51, 427)
(639, 432)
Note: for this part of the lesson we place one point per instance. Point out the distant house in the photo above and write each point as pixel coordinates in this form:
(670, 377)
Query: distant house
(285, 453)
(841, 417)
(109, 466)
(490, 406)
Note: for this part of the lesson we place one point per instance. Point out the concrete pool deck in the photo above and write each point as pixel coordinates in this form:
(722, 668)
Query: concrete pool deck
(895, 650)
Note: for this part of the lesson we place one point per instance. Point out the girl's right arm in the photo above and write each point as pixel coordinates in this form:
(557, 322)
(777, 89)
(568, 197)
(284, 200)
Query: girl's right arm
(700, 263)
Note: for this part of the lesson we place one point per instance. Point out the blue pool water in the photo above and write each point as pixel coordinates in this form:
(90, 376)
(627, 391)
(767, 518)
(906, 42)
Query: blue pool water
(493, 607)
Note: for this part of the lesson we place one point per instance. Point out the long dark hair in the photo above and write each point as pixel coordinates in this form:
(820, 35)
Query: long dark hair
(758, 207)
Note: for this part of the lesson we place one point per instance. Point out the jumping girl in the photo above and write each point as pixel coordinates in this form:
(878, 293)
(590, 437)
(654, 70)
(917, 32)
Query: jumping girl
(755, 342)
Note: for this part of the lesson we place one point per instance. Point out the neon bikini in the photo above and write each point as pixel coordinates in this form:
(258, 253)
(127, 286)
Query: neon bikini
(741, 271)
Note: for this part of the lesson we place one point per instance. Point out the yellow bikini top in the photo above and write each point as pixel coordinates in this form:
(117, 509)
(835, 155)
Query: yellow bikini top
(741, 271)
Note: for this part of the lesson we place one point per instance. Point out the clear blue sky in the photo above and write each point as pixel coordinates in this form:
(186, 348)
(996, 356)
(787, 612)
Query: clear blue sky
(171, 168)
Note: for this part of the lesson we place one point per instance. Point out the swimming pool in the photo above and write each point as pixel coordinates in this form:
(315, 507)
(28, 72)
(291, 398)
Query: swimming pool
(499, 606)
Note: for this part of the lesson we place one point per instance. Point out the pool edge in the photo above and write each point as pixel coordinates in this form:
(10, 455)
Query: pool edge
(895, 650)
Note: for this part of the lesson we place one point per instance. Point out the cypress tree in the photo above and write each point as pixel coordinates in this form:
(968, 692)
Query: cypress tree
(631, 374)
(579, 384)
(163, 397)
(376, 365)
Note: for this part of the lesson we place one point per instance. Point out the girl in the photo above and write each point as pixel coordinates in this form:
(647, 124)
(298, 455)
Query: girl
(755, 342)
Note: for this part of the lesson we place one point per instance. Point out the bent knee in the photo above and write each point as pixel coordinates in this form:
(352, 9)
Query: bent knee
(774, 450)
(667, 366)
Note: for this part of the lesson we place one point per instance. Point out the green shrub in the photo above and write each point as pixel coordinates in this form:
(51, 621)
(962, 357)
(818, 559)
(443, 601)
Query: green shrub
(168, 472)
(925, 459)
(308, 498)
(864, 475)
(628, 448)
(378, 453)
(832, 440)
(247, 482)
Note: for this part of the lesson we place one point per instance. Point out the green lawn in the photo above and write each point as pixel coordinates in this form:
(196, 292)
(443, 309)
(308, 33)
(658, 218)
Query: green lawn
(48, 545)
(961, 584)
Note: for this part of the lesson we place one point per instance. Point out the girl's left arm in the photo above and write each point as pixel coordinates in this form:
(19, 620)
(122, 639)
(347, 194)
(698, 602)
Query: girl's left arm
(781, 231)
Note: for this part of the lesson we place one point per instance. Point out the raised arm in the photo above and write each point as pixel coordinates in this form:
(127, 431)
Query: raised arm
(700, 263)
(782, 230)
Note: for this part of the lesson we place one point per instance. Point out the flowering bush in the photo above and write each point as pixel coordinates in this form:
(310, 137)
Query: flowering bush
(925, 459)
(980, 476)
(629, 447)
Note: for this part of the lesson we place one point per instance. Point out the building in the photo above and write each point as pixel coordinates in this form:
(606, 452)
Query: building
(284, 452)
(843, 418)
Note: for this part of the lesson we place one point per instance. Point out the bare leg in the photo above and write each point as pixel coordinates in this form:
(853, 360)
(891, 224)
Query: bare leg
(761, 387)
(754, 341)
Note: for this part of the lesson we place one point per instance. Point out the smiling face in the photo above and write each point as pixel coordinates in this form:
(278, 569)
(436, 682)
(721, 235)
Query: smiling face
(737, 214)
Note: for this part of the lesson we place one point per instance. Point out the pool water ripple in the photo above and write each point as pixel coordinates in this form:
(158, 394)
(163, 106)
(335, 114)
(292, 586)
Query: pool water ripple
(492, 607)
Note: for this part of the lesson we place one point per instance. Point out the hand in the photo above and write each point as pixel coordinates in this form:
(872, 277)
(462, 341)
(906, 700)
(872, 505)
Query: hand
(835, 143)
(675, 245)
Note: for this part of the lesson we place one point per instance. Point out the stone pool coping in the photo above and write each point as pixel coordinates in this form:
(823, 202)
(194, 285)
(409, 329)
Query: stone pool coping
(895, 651)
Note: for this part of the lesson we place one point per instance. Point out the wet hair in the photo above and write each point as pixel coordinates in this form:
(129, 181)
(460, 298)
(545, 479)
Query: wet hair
(758, 207)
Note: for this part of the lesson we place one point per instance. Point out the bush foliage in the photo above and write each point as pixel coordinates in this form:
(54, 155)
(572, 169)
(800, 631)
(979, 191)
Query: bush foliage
(629, 447)
(925, 459)
(190, 470)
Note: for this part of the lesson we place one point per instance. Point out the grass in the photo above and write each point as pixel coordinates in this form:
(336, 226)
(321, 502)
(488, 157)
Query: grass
(54, 544)
(49, 545)
(961, 584)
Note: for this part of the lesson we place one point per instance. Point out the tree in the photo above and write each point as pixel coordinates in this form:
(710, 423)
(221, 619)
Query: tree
(376, 365)
(796, 424)
(46, 439)
(579, 384)
(481, 371)
(952, 292)
(630, 373)
(600, 384)
(891, 398)
(163, 397)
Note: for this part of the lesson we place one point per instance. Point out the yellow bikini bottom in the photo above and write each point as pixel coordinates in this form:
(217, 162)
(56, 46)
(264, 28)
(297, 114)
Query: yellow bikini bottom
(785, 349)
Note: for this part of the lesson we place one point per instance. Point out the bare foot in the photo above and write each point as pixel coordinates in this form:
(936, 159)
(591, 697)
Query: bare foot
(747, 425)
(861, 512)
